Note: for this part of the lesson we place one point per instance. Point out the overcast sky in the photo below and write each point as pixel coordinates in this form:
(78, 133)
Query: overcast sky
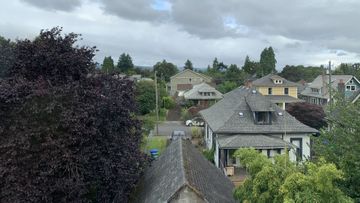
(303, 32)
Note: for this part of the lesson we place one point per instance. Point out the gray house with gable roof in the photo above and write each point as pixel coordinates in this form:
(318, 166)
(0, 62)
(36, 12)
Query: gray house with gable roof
(245, 118)
(182, 174)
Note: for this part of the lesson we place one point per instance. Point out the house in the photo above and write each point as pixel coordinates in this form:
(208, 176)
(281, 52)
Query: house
(203, 94)
(185, 80)
(182, 174)
(277, 89)
(318, 92)
(246, 118)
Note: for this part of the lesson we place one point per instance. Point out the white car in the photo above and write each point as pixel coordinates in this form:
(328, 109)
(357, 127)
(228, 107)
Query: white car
(195, 122)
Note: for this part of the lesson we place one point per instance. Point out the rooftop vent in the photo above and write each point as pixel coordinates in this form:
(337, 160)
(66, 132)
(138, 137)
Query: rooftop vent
(241, 114)
(253, 91)
(280, 113)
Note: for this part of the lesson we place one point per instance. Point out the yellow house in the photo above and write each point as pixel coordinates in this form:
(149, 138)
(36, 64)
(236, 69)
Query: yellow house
(277, 89)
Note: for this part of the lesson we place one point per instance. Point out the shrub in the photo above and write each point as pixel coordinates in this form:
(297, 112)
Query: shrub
(168, 102)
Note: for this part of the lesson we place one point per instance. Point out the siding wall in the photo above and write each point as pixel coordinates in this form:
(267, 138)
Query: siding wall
(186, 77)
(278, 91)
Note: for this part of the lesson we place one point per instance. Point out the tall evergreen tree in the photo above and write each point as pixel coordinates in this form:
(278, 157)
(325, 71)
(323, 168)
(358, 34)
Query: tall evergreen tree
(108, 65)
(125, 63)
(267, 61)
(188, 65)
(7, 56)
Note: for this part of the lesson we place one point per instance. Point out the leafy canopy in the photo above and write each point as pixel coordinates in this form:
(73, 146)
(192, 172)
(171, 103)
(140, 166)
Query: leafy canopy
(283, 181)
(341, 144)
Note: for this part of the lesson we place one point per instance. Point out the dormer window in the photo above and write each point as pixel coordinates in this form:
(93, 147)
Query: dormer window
(262, 118)
(314, 90)
(278, 81)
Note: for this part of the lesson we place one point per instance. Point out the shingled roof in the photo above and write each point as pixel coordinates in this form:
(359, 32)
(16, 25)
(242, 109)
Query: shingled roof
(224, 116)
(194, 93)
(267, 81)
(255, 141)
(181, 165)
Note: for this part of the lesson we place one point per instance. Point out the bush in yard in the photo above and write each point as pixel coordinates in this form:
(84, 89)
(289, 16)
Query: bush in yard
(168, 102)
(310, 114)
(65, 137)
(196, 132)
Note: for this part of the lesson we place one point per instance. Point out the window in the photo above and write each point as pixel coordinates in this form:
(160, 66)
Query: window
(350, 87)
(314, 90)
(263, 118)
(351, 82)
(286, 91)
(278, 151)
(189, 79)
(278, 81)
(269, 91)
(298, 143)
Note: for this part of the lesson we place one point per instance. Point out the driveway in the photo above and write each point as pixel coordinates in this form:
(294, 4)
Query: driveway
(167, 127)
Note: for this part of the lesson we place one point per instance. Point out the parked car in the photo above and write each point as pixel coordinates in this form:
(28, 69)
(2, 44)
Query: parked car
(176, 134)
(195, 122)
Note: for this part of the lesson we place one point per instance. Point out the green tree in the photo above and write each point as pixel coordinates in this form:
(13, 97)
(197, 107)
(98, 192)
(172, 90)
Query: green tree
(108, 65)
(227, 86)
(234, 74)
(297, 73)
(348, 69)
(251, 67)
(165, 70)
(283, 181)
(7, 56)
(145, 95)
(341, 144)
(125, 63)
(188, 65)
(267, 62)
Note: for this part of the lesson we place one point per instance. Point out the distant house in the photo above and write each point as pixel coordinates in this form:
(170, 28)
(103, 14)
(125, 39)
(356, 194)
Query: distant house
(245, 118)
(318, 91)
(277, 89)
(185, 80)
(182, 174)
(203, 94)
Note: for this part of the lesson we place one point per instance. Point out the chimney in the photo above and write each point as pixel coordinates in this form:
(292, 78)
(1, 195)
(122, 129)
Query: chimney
(248, 83)
(341, 87)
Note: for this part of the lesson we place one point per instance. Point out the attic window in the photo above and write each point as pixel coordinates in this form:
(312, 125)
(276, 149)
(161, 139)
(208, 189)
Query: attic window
(278, 81)
(241, 114)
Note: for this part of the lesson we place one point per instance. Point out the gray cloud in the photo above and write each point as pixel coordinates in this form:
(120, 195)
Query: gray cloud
(63, 5)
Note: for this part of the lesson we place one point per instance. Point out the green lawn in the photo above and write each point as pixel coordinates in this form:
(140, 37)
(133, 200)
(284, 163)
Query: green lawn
(156, 142)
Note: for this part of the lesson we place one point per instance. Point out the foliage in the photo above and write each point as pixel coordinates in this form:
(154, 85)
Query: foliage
(125, 63)
(267, 62)
(165, 70)
(155, 142)
(188, 65)
(250, 67)
(53, 57)
(348, 69)
(7, 56)
(65, 137)
(108, 65)
(310, 114)
(283, 181)
(297, 73)
(209, 154)
(168, 102)
(185, 114)
(196, 132)
(341, 144)
(227, 86)
(145, 95)
(234, 74)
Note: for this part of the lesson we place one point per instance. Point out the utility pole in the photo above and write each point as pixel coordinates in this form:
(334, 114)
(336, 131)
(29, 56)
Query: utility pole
(330, 87)
(156, 105)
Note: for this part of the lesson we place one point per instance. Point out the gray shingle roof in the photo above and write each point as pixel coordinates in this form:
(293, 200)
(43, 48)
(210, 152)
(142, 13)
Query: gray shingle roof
(255, 141)
(318, 84)
(194, 93)
(283, 98)
(181, 164)
(268, 82)
(223, 117)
